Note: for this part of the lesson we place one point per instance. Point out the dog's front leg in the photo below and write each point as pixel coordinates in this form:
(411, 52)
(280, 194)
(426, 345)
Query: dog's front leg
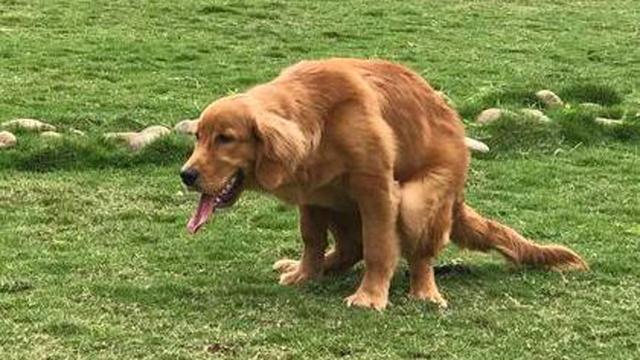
(376, 201)
(313, 227)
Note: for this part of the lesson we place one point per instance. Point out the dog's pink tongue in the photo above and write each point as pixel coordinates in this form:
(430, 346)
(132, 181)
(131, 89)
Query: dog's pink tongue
(205, 208)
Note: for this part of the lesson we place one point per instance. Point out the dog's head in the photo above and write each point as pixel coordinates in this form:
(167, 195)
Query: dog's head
(239, 145)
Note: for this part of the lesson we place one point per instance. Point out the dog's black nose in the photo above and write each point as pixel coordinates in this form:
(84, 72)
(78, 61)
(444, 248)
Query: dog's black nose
(189, 176)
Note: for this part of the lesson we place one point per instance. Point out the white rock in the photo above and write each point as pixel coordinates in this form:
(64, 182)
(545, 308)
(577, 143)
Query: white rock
(605, 121)
(549, 99)
(156, 129)
(138, 140)
(77, 132)
(28, 124)
(186, 127)
(51, 135)
(126, 136)
(476, 145)
(7, 140)
(535, 114)
(590, 106)
(489, 115)
(148, 136)
(141, 140)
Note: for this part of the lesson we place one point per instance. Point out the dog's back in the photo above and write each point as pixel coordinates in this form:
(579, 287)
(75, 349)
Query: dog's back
(427, 132)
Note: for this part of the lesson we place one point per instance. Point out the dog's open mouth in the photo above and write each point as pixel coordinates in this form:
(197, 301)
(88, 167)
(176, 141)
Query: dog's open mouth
(209, 203)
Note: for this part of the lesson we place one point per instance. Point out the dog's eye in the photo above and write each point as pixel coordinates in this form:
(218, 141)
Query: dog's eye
(223, 139)
(197, 135)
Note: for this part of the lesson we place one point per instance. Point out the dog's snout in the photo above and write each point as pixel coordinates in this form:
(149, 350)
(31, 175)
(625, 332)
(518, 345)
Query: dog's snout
(189, 176)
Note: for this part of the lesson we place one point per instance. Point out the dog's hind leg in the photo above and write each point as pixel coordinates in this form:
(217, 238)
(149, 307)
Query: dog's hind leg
(425, 220)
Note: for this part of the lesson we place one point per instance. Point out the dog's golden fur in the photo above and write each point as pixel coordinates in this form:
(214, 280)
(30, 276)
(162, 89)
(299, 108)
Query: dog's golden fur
(370, 153)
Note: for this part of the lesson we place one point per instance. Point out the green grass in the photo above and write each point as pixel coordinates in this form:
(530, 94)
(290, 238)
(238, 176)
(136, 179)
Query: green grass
(95, 261)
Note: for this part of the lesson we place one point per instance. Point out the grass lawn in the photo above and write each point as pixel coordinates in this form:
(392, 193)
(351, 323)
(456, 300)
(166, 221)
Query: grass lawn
(95, 261)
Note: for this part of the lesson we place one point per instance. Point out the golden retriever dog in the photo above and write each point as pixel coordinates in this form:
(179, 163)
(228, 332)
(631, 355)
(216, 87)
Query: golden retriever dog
(369, 153)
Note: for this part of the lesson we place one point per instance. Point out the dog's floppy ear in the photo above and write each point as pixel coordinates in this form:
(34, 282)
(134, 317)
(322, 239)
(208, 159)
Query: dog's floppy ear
(282, 147)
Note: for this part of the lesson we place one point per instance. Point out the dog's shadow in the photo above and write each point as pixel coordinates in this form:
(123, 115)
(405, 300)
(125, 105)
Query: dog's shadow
(346, 283)
(454, 276)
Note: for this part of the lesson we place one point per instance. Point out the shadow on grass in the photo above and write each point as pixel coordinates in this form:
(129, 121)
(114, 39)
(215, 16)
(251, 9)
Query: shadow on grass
(524, 96)
(15, 286)
(515, 134)
(72, 153)
(602, 94)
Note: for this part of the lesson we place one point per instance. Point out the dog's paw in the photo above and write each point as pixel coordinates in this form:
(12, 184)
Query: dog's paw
(367, 300)
(295, 277)
(284, 266)
(432, 297)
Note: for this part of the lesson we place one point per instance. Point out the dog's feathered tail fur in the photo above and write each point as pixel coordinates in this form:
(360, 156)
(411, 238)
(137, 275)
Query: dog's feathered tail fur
(473, 231)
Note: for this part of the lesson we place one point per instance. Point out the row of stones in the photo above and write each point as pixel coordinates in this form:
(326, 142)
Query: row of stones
(138, 140)
(135, 140)
(550, 101)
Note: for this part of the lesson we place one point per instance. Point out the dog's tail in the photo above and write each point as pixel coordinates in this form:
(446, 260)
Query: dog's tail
(472, 231)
